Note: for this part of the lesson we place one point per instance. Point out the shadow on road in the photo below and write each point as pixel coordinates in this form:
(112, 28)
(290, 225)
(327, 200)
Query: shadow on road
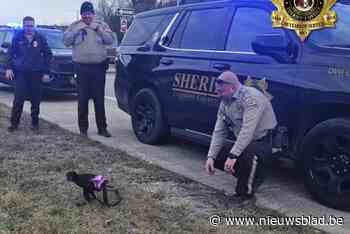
(59, 97)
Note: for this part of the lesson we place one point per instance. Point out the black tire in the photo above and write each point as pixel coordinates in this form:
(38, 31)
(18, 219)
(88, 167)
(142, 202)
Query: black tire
(326, 163)
(147, 118)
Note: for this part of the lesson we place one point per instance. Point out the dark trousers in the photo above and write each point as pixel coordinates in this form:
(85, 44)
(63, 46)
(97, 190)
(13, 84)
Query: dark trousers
(27, 86)
(249, 167)
(91, 84)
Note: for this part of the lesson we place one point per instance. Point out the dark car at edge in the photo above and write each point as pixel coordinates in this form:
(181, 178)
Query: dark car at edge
(62, 77)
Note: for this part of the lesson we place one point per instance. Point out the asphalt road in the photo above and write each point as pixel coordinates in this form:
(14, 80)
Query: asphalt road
(282, 191)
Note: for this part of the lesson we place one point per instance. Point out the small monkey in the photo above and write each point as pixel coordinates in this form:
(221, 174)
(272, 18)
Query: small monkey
(93, 183)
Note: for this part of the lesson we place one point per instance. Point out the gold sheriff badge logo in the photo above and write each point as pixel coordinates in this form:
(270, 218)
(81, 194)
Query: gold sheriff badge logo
(303, 15)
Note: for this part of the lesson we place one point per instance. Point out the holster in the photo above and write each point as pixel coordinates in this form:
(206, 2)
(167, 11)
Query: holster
(280, 137)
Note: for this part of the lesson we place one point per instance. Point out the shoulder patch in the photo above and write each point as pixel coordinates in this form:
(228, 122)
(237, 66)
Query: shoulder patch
(250, 101)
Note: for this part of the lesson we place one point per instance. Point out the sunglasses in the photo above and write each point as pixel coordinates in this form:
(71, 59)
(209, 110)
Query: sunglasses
(221, 82)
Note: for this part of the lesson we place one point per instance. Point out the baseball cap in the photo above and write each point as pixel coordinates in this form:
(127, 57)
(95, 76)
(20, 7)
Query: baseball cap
(86, 7)
(227, 77)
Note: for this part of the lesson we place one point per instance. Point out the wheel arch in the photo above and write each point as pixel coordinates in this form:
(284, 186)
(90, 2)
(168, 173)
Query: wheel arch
(313, 114)
(148, 130)
(326, 167)
(153, 85)
(141, 84)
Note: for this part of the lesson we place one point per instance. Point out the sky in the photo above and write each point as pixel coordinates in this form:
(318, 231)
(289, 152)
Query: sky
(44, 11)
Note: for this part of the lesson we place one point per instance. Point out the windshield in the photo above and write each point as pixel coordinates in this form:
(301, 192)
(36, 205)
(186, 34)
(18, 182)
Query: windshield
(338, 36)
(54, 39)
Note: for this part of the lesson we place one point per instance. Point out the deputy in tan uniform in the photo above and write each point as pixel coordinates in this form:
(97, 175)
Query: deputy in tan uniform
(250, 116)
(89, 38)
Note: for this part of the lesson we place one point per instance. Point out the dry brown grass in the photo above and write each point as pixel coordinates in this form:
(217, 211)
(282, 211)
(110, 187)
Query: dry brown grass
(35, 198)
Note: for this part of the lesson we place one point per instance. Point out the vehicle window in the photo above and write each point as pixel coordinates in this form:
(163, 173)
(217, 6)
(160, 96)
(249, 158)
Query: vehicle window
(338, 36)
(176, 39)
(54, 39)
(201, 30)
(247, 24)
(2, 35)
(8, 37)
(141, 29)
(162, 26)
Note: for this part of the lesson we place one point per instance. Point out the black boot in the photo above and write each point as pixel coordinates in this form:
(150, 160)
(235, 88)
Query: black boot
(35, 128)
(83, 133)
(243, 199)
(104, 132)
(12, 128)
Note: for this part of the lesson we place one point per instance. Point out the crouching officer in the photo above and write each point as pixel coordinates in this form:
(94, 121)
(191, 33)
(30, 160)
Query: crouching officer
(250, 116)
(28, 62)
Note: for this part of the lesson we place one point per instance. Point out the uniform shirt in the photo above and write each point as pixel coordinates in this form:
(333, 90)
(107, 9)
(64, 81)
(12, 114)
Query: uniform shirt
(89, 47)
(29, 56)
(248, 114)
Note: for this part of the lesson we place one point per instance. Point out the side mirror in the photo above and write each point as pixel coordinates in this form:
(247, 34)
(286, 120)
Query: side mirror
(276, 46)
(5, 45)
(144, 48)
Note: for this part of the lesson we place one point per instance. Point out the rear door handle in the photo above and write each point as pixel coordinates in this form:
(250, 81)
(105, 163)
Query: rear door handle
(221, 66)
(166, 61)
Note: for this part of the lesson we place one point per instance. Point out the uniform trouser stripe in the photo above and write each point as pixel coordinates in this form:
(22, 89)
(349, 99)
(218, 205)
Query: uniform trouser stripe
(252, 174)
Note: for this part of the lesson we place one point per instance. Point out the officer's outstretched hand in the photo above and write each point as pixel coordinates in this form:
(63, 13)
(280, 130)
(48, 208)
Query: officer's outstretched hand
(9, 74)
(230, 165)
(209, 166)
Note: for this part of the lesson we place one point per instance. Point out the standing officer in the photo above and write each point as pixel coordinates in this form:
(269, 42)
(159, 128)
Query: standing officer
(249, 114)
(89, 38)
(28, 62)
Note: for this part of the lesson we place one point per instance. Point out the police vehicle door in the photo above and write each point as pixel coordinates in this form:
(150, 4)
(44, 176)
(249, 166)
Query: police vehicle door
(254, 50)
(184, 70)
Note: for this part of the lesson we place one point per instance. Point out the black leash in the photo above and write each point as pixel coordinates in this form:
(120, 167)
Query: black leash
(105, 196)
(108, 188)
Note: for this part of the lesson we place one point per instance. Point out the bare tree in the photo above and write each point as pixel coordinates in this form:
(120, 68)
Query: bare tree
(144, 5)
(108, 11)
(167, 3)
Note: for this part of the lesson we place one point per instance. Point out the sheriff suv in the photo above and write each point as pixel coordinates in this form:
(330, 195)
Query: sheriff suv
(62, 78)
(169, 59)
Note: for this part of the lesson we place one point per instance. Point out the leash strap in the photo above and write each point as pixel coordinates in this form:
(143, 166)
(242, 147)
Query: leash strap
(100, 184)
